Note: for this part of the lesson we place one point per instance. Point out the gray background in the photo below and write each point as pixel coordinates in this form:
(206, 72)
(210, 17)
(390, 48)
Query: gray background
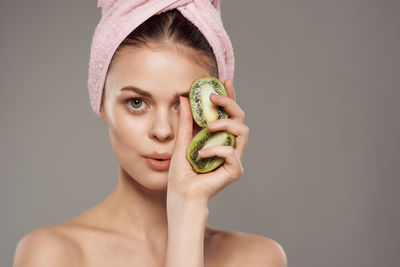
(317, 79)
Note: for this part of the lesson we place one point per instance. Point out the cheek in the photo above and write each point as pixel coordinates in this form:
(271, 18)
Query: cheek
(127, 134)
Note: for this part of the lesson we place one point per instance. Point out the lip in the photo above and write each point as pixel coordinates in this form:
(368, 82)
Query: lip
(158, 161)
(157, 155)
(158, 165)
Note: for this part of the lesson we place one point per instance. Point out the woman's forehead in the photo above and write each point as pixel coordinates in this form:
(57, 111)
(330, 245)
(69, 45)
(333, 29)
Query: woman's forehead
(154, 71)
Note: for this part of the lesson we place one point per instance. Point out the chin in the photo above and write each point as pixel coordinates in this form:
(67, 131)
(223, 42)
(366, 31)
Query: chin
(157, 181)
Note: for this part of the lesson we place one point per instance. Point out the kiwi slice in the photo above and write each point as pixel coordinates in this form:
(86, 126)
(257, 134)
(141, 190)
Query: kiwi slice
(203, 139)
(203, 110)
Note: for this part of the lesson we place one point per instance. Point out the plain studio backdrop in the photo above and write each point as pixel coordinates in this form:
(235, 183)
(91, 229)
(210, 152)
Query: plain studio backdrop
(318, 81)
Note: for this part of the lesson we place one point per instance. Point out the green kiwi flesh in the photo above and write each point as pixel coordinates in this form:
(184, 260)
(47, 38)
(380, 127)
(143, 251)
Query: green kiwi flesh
(203, 139)
(203, 110)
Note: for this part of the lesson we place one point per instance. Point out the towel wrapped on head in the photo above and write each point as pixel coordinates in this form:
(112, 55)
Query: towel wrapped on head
(120, 17)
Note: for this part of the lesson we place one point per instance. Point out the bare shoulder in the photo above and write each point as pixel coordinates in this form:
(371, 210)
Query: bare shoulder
(244, 249)
(46, 246)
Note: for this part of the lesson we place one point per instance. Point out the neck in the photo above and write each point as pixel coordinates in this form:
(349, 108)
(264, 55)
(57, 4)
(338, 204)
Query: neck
(137, 211)
(130, 210)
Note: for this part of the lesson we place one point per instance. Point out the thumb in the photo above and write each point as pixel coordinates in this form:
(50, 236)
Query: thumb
(184, 134)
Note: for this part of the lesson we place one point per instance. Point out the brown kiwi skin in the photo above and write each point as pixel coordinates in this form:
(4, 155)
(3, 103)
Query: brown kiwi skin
(195, 112)
(203, 165)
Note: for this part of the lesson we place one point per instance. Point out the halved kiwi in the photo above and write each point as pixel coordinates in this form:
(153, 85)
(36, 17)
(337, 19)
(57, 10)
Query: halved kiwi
(203, 139)
(203, 110)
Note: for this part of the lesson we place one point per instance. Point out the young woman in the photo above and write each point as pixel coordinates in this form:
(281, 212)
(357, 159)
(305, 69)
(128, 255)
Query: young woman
(157, 213)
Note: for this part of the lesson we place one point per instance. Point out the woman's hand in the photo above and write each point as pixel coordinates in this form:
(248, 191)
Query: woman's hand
(184, 184)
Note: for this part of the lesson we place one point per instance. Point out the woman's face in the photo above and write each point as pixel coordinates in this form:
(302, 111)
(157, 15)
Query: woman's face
(141, 108)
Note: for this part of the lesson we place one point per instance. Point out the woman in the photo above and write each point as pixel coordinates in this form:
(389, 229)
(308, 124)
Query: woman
(156, 215)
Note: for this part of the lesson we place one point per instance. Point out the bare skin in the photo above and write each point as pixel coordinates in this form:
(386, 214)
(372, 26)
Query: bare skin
(142, 221)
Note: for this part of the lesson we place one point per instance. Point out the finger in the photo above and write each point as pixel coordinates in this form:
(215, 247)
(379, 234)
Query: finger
(229, 88)
(184, 134)
(240, 130)
(234, 127)
(231, 168)
(230, 106)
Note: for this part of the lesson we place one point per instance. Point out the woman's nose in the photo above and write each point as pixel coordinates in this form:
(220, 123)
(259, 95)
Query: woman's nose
(161, 128)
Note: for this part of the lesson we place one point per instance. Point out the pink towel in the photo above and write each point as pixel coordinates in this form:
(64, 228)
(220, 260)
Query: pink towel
(120, 17)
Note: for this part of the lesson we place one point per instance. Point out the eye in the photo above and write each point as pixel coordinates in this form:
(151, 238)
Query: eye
(136, 104)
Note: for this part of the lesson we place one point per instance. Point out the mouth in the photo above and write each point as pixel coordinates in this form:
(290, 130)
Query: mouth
(158, 164)
(158, 156)
(157, 159)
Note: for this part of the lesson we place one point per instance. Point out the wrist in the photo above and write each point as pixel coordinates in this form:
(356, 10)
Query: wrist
(192, 209)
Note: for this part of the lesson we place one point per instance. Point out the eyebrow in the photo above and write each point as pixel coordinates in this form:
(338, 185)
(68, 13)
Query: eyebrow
(146, 93)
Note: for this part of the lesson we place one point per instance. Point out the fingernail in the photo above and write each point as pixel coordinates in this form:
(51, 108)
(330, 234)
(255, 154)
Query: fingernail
(201, 153)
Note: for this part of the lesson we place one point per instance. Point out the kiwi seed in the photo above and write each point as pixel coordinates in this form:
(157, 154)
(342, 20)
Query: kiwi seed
(203, 110)
(203, 139)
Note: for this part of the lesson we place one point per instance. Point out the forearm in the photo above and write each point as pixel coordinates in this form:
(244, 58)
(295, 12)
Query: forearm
(186, 227)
